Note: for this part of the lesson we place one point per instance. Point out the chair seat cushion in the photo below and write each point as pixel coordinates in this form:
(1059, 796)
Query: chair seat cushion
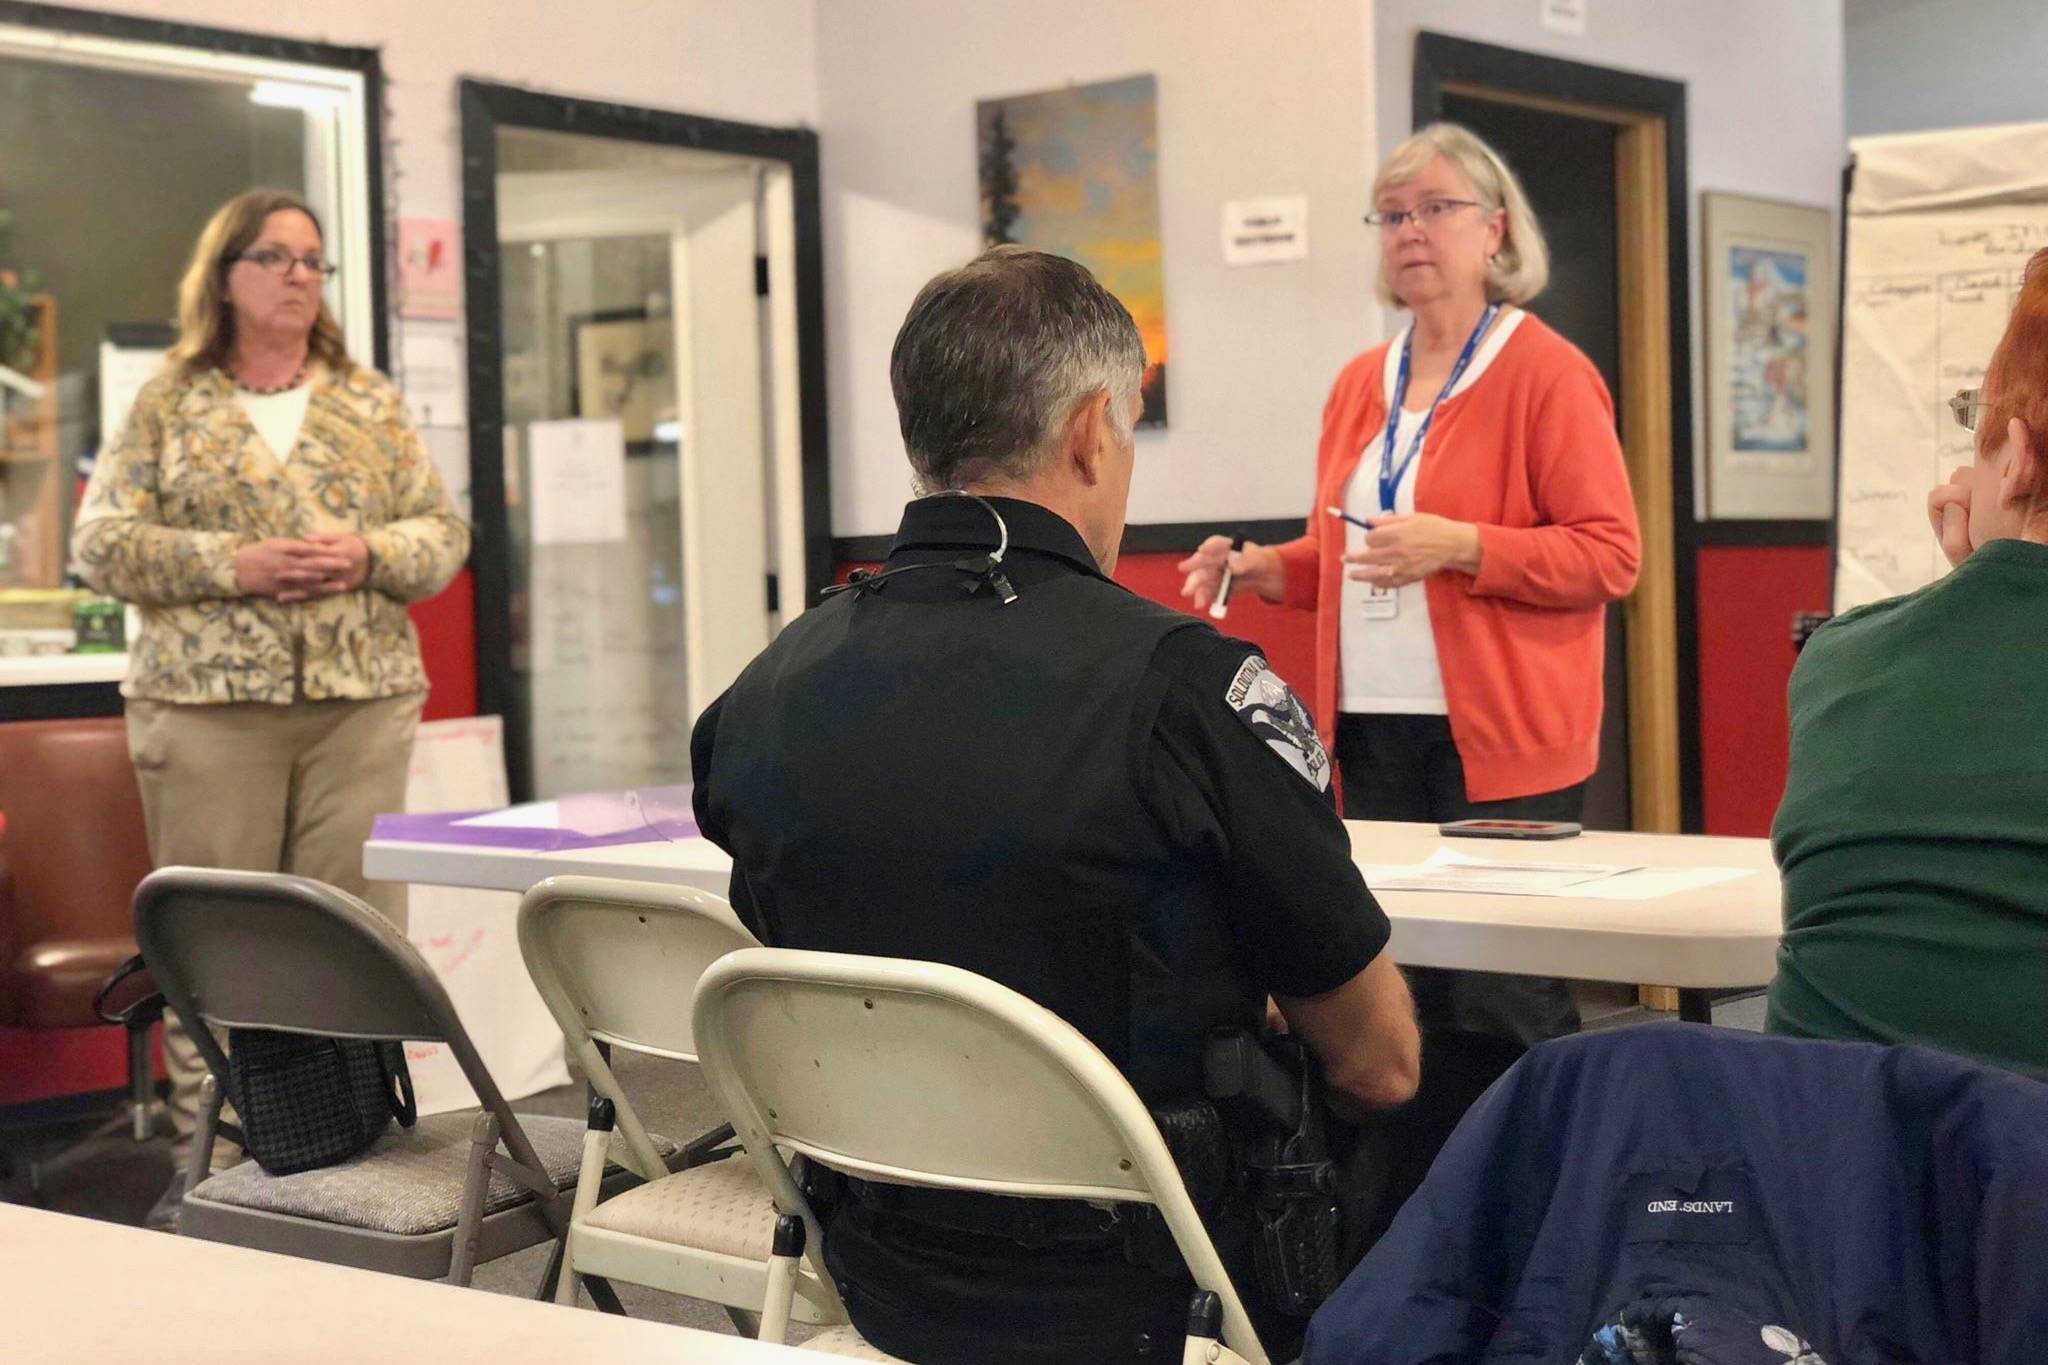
(844, 1341)
(409, 1183)
(721, 1207)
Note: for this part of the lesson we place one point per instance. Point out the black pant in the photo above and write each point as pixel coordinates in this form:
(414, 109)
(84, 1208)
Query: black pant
(1474, 1024)
(1407, 768)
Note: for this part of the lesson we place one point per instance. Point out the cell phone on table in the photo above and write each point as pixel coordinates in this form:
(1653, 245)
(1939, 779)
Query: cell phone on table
(1511, 829)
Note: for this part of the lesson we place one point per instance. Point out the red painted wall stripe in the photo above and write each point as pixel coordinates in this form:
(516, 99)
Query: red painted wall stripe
(1747, 598)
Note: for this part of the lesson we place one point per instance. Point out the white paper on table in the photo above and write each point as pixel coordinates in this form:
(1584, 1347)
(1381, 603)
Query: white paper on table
(1445, 870)
(1456, 872)
(595, 814)
(576, 486)
(1653, 883)
(431, 374)
(469, 937)
(531, 815)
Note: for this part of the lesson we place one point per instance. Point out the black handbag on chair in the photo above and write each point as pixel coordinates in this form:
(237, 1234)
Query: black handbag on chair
(302, 1100)
(306, 1101)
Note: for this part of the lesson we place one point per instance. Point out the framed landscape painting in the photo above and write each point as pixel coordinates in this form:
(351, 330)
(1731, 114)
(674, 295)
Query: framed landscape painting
(1075, 171)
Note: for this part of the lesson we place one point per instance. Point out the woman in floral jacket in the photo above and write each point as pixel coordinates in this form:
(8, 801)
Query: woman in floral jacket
(271, 510)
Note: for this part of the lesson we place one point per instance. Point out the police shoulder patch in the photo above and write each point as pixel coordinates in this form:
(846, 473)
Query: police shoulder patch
(1272, 711)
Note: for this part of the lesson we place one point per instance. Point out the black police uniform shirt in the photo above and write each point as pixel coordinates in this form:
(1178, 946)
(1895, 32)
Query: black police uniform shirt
(1093, 799)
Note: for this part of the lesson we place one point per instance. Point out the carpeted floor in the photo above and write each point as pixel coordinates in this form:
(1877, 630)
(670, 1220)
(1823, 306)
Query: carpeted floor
(121, 1185)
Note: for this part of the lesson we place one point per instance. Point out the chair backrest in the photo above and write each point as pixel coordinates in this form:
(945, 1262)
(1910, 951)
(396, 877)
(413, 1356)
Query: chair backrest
(266, 950)
(614, 958)
(923, 1074)
(75, 845)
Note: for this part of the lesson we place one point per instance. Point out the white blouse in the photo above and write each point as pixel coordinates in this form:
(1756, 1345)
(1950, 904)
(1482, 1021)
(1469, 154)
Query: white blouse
(1387, 665)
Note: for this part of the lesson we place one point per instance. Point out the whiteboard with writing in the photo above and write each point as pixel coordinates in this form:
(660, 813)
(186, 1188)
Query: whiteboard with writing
(608, 695)
(1940, 227)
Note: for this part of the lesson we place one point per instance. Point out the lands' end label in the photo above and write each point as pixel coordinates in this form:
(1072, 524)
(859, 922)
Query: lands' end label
(1689, 1205)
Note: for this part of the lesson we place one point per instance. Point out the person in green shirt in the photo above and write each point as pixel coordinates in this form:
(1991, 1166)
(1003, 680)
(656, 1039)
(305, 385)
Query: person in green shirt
(1913, 836)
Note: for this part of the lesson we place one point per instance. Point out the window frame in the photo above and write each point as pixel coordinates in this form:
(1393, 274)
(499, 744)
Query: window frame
(362, 301)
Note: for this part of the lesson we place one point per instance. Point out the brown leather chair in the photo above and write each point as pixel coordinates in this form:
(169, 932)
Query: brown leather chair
(73, 851)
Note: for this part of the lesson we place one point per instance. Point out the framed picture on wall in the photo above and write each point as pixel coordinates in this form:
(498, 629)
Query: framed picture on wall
(1770, 305)
(623, 364)
(1075, 171)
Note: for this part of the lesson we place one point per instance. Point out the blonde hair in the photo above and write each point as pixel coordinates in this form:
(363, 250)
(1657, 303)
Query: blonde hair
(1522, 267)
(206, 324)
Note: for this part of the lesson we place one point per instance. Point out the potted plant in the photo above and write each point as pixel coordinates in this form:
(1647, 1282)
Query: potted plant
(19, 342)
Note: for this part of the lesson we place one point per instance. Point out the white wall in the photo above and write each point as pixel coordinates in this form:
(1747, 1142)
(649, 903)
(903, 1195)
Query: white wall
(1254, 99)
(1918, 64)
(1764, 88)
(754, 61)
(1284, 96)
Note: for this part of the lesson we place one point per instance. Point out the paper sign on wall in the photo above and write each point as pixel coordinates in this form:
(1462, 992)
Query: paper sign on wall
(577, 480)
(131, 354)
(1265, 231)
(429, 269)
(448, 448)
(1563, 16)
(430, 372)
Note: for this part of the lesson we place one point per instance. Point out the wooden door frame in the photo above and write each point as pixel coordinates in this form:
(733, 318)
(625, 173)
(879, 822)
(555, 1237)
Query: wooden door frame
(485, 108)
(1655, 402)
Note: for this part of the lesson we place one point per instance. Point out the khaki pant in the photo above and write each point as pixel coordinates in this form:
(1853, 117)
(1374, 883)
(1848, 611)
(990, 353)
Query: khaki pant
(263, 788)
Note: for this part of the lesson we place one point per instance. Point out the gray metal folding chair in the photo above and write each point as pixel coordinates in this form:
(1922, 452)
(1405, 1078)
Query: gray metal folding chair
(256, 950)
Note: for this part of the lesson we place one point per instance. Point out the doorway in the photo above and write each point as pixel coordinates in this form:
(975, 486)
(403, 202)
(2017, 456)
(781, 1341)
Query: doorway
(1602, 155)
(1566, 165)
(646, 377)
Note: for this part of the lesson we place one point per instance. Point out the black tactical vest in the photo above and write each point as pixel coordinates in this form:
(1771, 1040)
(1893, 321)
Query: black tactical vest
(940, 775)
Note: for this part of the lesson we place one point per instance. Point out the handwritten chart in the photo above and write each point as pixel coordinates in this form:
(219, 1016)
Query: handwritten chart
(1940, 228)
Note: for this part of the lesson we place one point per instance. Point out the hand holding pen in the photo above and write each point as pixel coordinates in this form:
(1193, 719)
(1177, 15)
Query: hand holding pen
(1406, 548)
(1237, 562)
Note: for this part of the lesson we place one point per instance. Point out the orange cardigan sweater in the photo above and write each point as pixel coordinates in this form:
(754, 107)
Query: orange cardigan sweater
(1529, 453)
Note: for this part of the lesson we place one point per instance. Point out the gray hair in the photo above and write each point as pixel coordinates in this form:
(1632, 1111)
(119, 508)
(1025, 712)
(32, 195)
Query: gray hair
(1522, 268)
(992, 358)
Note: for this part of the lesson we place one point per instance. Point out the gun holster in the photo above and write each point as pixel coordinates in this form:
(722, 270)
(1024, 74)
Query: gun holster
(1274, 1090)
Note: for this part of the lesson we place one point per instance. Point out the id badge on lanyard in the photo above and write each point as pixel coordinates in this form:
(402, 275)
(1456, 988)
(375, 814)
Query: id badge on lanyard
(1384, 604)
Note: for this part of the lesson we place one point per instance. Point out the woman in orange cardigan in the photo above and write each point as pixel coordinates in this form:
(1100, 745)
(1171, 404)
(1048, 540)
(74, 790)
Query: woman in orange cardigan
(1458, 660)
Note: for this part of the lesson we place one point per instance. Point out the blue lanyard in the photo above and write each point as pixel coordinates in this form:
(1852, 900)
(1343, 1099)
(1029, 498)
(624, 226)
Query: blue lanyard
(1390, 477)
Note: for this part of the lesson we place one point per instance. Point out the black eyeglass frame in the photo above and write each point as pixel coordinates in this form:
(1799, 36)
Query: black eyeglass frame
(264, 259)
(1393, 220)
(1966, 407)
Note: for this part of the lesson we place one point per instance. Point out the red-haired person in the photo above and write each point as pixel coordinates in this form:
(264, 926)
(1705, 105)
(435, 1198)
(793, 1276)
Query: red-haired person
(1914, 830)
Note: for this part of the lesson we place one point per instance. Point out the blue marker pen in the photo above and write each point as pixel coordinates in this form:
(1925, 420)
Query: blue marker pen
(1342, 515)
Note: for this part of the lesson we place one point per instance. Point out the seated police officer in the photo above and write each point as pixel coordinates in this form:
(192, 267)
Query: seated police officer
(990, 755)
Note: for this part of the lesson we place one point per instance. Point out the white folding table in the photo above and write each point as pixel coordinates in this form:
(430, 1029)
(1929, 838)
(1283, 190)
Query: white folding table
(1718, 937)
(92, 1293)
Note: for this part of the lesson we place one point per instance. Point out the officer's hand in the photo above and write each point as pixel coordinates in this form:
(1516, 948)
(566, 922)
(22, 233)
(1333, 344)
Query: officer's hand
(1255, 568)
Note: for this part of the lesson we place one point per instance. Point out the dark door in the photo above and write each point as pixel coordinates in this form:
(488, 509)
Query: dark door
(1567, 166)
